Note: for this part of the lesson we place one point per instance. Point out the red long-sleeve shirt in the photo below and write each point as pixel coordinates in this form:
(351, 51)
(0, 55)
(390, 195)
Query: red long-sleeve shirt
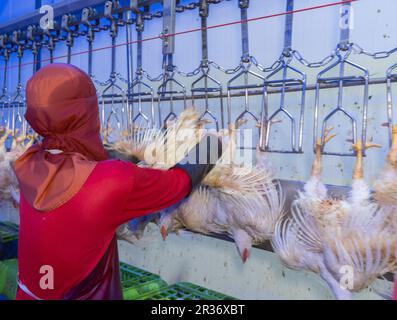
(73, 238)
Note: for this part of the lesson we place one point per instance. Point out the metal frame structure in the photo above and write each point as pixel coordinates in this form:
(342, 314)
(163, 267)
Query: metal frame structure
(167, 87)
(18, 100)
(272, 80)
(120, 115)
(138, 88)
(245, 65)
(391, 77)
(342, 52)
(208, 80)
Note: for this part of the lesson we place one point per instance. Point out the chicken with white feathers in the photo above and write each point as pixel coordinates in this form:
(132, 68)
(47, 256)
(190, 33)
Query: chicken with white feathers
(9, 190)
(158, 149)
(386, 185)
(242, 201)
(340, 239)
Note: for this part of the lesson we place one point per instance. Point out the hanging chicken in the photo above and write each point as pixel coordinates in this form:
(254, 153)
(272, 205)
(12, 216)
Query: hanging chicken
(253, 208)
(386, 185)
(8, 182)
(305, 252)
(158, 149)
(241, 201)
(364, 249)
(340, 239)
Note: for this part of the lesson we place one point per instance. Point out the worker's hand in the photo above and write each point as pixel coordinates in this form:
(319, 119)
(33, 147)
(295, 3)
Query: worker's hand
(202, 158)
(115, 154)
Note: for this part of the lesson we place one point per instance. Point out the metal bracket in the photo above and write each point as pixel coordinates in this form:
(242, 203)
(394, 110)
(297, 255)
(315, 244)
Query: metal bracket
(297, 81)
(18, 100)
(210, 85)
(93, 26)
(245, 64)
(391, 76)
(168, 85)
(111, 7)
(289, 19)
(134, 6)
(4, 98)
(35, 40)
(243, 5)
(342, 52)
(342, 80)
(345, 30)
(71, 32)
(168, 26)
(52, 38)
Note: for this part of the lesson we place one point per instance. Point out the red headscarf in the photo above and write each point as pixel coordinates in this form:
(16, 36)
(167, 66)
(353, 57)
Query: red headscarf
(62, 107)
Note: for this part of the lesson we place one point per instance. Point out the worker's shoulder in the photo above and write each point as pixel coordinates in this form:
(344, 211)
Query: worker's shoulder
(115, 168)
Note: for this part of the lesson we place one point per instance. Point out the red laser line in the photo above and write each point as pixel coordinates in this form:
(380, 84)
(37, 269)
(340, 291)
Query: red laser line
(189, 31)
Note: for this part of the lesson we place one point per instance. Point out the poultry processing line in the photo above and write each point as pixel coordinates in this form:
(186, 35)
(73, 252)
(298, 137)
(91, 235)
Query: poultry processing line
(169, 87)
(118, 115)
(205, 77)
(299, 81)
(139, 88)
(123, 99)
(250, 79)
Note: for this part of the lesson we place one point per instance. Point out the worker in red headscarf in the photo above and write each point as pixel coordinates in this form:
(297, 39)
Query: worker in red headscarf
(73, 199)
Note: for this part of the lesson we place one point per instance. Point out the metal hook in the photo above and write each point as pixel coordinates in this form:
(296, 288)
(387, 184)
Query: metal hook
(18, 100)
(246, 87)
(71, 33)
(166, 88)
(245, 73)
(341, 80)
(285, 83)
(52, 38)
(5, 98)
(205, 77)
(92, 25)
(112, 86)
(390, 77)
(343, 51)
(139, 94)
(138, 83)
(207, 89)
(35, 45)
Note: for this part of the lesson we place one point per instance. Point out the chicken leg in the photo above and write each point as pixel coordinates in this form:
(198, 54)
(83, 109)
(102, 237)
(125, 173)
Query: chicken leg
(320, 143)
(392, 156)
(358, 172)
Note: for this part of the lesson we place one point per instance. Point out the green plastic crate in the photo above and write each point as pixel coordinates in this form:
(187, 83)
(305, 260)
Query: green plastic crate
(186, 291)
(130, 274)
(8, 231)
(137, 282)
(8, 278)
(143, 289)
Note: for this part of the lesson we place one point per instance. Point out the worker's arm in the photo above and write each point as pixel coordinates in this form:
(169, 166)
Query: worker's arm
(153, 190)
